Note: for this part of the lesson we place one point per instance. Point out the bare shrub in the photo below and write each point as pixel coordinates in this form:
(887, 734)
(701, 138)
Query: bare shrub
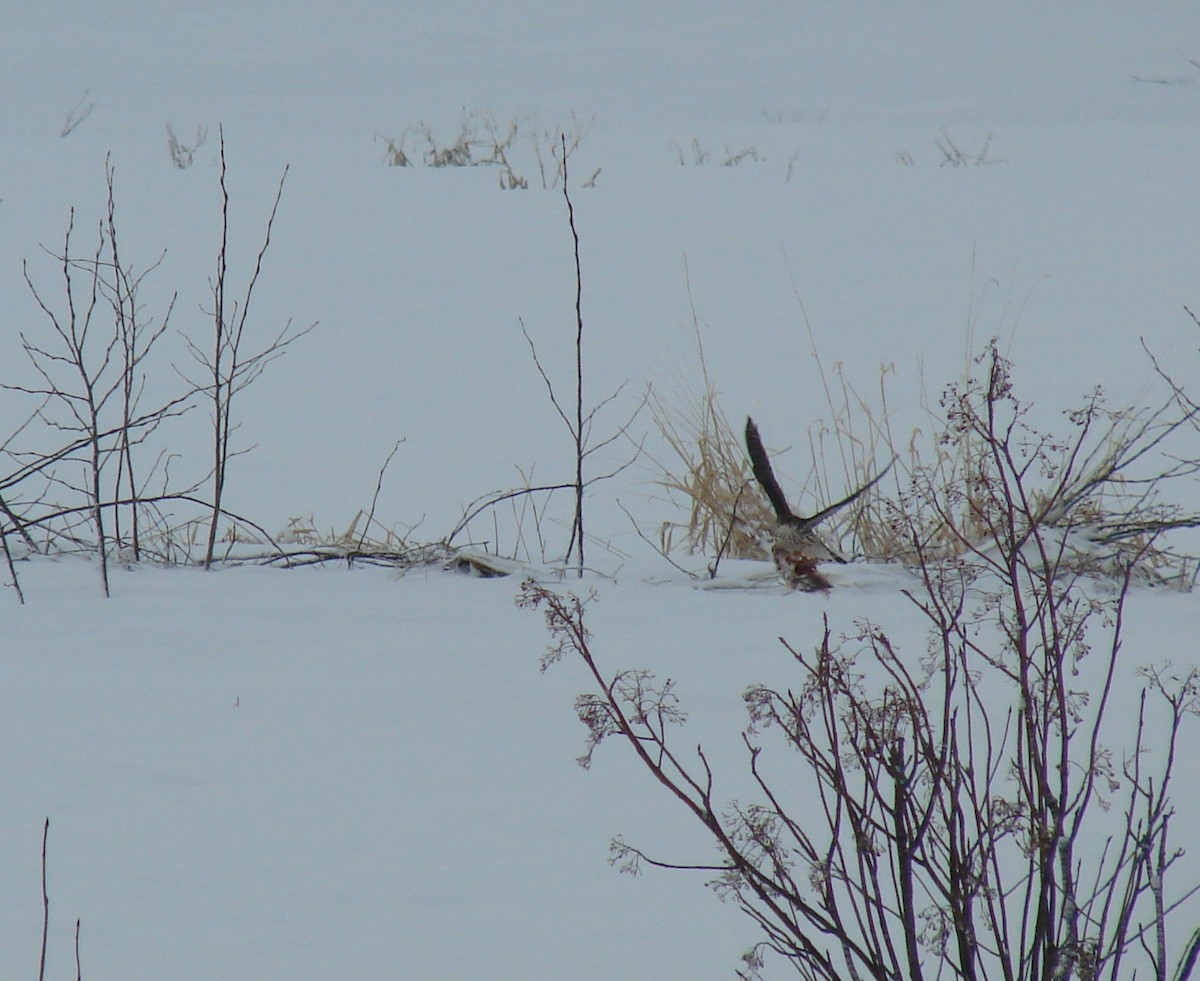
(698, 155)
(91, 375)
(46, 916)
(524, 536)
(530, 502)
(14, 580)
(229, 366)
(735, 157)
(482, 140)
(1096, 490)
(456, 153)
(80, 484)
(577, 416)
(997, 805)
(183, 155)
(560, 143)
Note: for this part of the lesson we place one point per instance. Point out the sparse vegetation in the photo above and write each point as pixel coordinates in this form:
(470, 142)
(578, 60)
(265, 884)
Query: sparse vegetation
(183, 155)
(578, 418)
(229, 368)
(959, 754)
(949, 803)
(107, 424)
(698, 155)
(77, 114)
(955, 156)
(1112, 490)
(90, 376)
(395, 154)
(727, 511)
(483, 141)
(1105, 502)
(951, 153)
(949, 798)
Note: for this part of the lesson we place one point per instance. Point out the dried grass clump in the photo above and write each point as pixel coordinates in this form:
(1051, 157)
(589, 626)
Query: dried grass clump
(728, 514)
(855, 442)
(484, 141)
(727, 511)
(1104, 483)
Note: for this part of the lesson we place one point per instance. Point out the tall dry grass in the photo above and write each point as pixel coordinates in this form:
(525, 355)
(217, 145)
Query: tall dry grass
(1107, 472)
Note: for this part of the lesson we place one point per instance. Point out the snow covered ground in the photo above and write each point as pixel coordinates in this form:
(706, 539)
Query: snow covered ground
(260, 774)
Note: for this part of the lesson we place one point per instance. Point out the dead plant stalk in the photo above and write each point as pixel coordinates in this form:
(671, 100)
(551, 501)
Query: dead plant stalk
(230, 368)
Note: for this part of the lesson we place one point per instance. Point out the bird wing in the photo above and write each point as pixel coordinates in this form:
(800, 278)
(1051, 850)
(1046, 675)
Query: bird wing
(828, 512)
(766, 476)
(763, 473)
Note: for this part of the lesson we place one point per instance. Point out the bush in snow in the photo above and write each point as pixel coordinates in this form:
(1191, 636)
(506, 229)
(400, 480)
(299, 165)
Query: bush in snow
(997, 805)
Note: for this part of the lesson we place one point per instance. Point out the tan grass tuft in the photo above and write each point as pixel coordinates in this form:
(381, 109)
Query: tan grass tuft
(727, 512)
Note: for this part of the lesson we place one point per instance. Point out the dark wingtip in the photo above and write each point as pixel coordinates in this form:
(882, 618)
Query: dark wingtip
(761, 464)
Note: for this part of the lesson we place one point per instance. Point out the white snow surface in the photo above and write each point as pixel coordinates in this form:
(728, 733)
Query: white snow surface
(330, 774)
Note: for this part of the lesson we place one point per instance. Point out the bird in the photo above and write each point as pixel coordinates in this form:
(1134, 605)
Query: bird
(797, 549)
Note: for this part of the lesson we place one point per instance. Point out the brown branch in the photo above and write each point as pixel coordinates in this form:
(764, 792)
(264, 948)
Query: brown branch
(577, 528)
(45, 905)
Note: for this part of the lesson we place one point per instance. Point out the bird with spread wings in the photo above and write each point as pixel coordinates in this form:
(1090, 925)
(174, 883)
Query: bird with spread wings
(797, 549)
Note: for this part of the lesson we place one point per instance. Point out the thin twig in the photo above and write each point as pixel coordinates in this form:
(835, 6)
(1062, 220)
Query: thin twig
(658, 548)
(577, 531)
(375, 496)
(77, 114)
(12, 569)
(733, 518)
(45, 904)
(475, 509)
